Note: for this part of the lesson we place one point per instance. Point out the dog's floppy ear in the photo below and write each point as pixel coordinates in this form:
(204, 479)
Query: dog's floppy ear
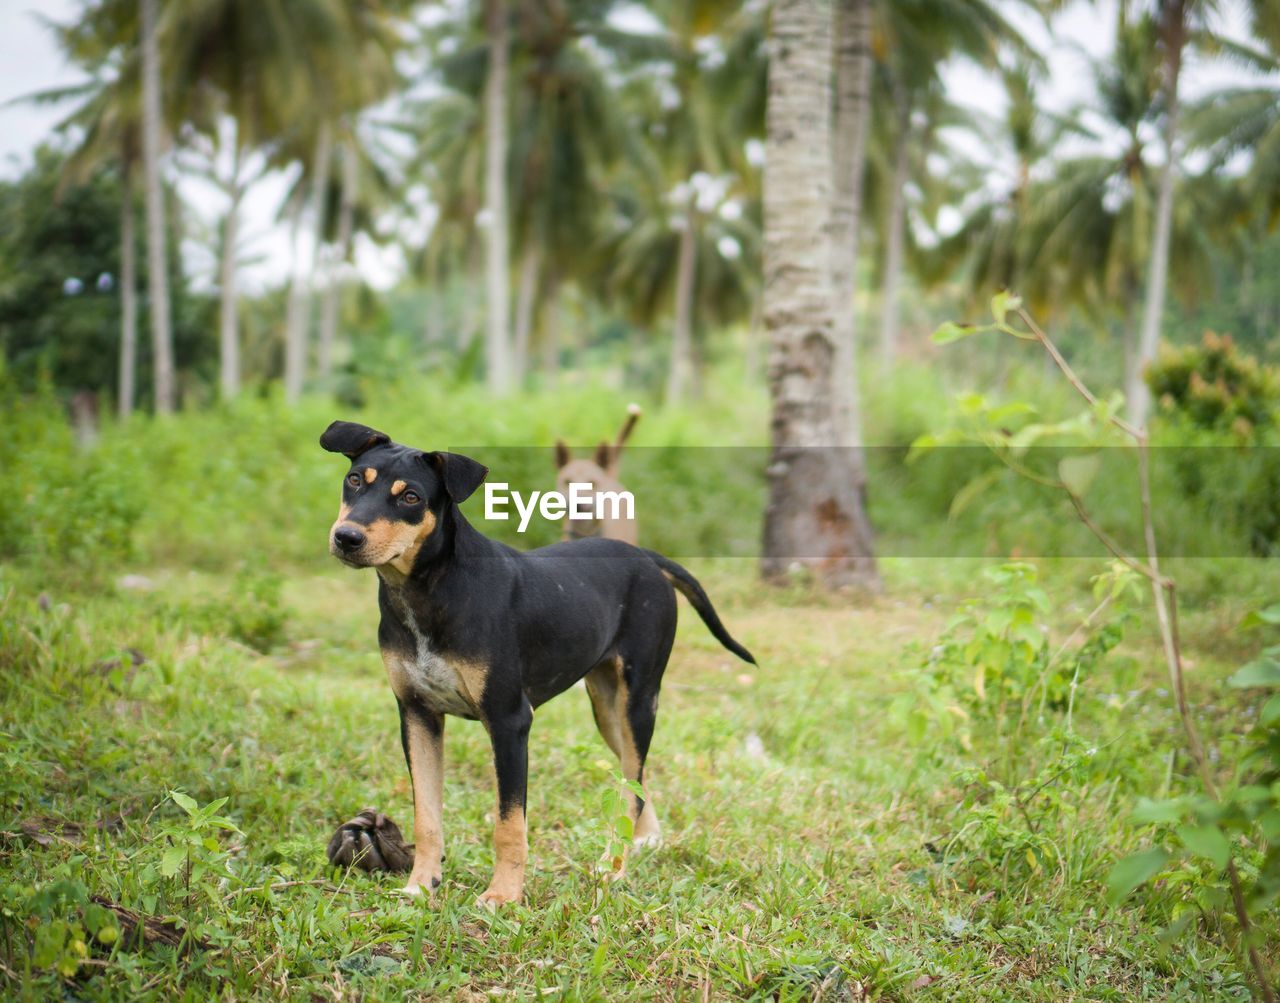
(351, 439)
(461, 474)
(563, 455)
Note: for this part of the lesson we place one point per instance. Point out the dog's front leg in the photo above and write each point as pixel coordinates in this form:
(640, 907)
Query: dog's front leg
(509, 733)
(422, 734)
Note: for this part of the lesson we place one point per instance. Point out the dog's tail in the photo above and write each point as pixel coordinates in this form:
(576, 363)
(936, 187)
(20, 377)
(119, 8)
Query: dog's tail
(693, 591)
(624, 433)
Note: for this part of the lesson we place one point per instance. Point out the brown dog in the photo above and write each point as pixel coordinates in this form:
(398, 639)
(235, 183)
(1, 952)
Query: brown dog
(601, 472)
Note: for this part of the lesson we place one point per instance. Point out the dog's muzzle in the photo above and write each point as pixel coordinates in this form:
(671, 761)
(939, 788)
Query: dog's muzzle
(348, 539)
(346, 542)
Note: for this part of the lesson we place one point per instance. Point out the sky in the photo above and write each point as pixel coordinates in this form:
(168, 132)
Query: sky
(30, 61)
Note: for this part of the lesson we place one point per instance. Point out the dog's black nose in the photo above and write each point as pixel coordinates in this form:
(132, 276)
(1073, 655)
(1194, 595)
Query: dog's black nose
(348, 537)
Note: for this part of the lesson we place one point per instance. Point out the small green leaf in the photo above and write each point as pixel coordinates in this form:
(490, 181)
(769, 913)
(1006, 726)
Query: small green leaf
(1078, 472)
(185, 802)
(966, 495)
(172, 861)
(1002, 302)
(1148, 810)
(950, 331)
(1260, 672)
(1270, 713)
(1206, 841)
(213, 807)
(1259, 617)
(1134, 870)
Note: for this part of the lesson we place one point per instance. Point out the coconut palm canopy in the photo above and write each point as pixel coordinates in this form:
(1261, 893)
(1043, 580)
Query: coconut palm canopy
(632, 167)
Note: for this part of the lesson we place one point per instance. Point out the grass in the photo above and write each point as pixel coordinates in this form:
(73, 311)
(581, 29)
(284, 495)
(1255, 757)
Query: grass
(811, 845)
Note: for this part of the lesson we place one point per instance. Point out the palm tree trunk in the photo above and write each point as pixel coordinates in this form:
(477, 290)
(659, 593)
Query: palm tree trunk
(895, 226)
(497, 347)
(128, 296)
(815, 516)
(473, 293)
(346, 227)
(1173, 29)
(298, 314)
(552, 320)
(526, 307)
(228, 331)
(848, 159)
(681, 369)
(157, 255)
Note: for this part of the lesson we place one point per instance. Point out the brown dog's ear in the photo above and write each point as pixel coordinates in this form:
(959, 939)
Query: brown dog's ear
(563, 455)
(461, 474)
(602, 455)
(351, 439)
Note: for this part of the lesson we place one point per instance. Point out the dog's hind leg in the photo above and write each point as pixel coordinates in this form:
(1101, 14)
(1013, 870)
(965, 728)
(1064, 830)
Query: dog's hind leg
(637, 712)
(602, 687)
(642, 659)
(509, 734)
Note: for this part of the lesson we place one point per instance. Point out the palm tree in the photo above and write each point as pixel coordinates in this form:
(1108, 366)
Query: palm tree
(566, 131)
(851, 120)
(253, 70)
(306, 203)
(914, 40)
(698, 88)
(1180, 23)
(108, 120)
(349, 157)
(497, 333)
(157, 274)
(1173, 30)
(447, 132)
(815, 514)
(1029, 238)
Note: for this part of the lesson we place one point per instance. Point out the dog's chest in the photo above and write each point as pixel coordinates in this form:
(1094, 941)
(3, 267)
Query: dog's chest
(441, 683)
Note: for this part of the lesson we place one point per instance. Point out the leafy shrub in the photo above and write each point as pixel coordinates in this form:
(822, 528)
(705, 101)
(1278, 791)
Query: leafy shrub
(1214, 385)
(60, 503)
(63, 923)
(993, 672)
(1196, 837)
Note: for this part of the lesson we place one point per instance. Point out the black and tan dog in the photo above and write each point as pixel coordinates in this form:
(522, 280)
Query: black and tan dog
(474, 628)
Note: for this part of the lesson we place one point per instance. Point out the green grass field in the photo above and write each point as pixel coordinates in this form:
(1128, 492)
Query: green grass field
(818, 843)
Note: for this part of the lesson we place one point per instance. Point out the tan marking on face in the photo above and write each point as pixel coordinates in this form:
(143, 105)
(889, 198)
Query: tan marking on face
(394, 545)
(404, 563)
(511, 851)
(397, 487)
(370, 475)
(426, 773)
(344, 511)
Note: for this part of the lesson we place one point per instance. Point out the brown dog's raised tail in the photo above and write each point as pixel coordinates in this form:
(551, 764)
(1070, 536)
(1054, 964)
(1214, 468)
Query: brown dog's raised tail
(624, 433)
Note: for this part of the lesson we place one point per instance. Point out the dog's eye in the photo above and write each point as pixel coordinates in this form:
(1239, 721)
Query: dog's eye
(353, 480)
(410, 498)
